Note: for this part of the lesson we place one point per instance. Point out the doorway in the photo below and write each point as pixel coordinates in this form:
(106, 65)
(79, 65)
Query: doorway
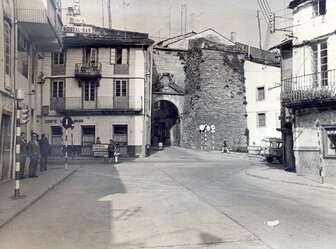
(5, 147)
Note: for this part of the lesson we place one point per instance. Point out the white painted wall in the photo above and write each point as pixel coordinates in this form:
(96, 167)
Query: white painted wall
(104, 124)
(308, 27)
(257, 75)
(104, 127)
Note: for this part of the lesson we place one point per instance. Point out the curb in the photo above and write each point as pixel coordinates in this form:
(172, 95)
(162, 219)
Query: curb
(35, 199)
(284, 181)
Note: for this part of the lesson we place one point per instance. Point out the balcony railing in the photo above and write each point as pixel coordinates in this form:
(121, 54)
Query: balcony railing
(310, 88)
(100, 103)
(88, 70)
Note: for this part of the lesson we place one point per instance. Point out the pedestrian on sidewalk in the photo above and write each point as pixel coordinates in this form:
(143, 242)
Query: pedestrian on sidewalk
(98, 140)
(34, 154)
(44, 151)
(22, 140)
(110, 149)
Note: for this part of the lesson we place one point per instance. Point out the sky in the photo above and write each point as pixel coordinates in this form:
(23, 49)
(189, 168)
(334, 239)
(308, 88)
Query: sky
(154, 16)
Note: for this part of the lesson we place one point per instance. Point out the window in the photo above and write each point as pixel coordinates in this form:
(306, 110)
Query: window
(89, 91)
(91, 56)
(23, 43)
(320, 63)
(260, 93)
(58, 58)
(261, 122)
(319, 7)
(56, 135)
(7, 47)
(330, 142)
(58, 89)
(121, 88)
(120, 134)
(88, 135)
(119, 56)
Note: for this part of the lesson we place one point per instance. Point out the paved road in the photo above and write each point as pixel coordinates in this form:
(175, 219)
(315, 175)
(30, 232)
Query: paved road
(175, 199)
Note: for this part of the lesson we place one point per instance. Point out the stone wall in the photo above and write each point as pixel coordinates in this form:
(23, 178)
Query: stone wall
(215, 96)
(169, 61)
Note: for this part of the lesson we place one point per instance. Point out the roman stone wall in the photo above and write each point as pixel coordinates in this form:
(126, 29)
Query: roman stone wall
(214, 96)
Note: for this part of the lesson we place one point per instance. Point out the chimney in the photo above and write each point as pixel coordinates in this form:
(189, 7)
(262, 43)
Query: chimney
(233, 36)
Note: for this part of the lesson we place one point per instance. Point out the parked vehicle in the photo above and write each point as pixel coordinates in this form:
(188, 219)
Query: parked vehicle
(271, 148)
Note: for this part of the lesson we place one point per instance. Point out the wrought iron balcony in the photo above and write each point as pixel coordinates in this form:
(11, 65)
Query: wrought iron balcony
(100, 104)
(88, 70)
(310, 89)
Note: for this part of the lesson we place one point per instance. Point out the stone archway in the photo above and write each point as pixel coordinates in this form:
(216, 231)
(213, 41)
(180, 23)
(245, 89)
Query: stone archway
(166, 123)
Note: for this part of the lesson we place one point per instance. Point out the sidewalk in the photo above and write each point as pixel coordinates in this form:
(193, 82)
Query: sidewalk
(32, 188)
(275, 172)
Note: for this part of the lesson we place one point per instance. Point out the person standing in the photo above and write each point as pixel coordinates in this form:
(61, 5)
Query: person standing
(22, 140)
(225, 147)
(110, 150)
(45, 151)
(33, 149)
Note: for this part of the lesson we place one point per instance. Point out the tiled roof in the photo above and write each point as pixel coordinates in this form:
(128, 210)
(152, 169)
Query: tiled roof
(107, 37)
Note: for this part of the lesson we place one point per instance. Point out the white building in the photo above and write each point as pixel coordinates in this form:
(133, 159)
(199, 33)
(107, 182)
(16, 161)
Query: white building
(102, 80)
(28, 30)
(262, 83)
(309, 94)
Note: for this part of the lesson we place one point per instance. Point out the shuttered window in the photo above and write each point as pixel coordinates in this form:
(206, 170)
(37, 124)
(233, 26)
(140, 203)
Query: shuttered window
(119, 56)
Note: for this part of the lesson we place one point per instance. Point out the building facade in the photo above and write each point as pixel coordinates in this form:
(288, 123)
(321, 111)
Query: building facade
(206, 78)
(309, 94)
(102, 80)
(29, 29)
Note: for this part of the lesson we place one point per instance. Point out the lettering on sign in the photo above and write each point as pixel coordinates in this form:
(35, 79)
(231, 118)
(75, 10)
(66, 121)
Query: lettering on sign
(51, 121)
(78, 120)
(99, 147)
(100, 153)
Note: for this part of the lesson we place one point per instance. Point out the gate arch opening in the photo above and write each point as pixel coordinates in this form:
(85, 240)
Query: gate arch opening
(166, 127)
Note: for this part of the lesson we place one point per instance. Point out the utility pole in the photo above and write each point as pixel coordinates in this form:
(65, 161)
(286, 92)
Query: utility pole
(109, 14)
(169, 22)
(258, 18)
(185, 18)
(182, 19)
(103, 13)
(191, 22)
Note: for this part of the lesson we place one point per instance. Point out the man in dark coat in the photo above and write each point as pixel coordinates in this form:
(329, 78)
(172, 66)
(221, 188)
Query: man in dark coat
(45, 151)
(34, 154)
(110, 150)
(22, 140)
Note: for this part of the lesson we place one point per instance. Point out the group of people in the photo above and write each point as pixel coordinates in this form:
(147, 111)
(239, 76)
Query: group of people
(36, 150)
(110, 149)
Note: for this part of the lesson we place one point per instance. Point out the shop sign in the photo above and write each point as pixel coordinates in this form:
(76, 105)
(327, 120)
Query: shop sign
(51, 121)
(99, 147)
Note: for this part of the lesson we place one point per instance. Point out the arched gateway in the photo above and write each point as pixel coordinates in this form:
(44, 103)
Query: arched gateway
(166, 120)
